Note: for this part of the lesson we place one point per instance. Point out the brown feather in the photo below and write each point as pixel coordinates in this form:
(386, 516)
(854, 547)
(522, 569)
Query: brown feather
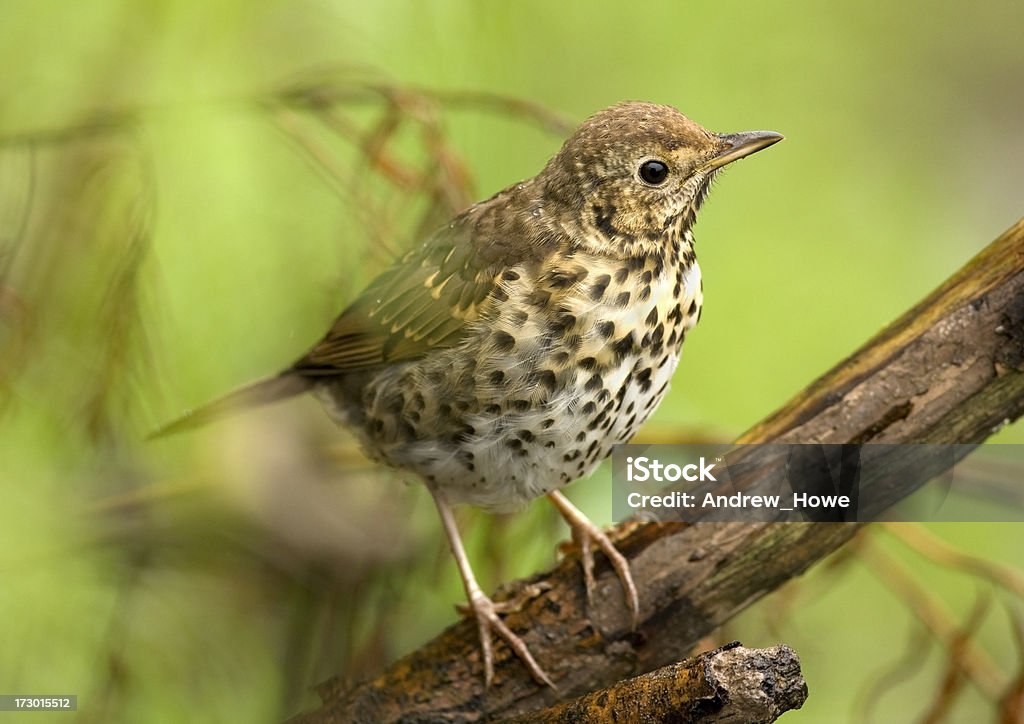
(420, 304)
(256, 394)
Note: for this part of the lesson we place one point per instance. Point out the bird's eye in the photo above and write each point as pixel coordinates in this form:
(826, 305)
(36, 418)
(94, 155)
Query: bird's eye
(653, 172)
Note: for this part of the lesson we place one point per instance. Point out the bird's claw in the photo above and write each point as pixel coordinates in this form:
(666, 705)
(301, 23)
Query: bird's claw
(485, 611)
(586, 535)
(513, 604)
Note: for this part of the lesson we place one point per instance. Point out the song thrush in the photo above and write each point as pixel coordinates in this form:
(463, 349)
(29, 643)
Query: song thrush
(502, 358)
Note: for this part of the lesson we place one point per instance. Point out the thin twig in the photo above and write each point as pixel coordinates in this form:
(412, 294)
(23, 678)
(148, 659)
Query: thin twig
(918, 538)
(975, 663)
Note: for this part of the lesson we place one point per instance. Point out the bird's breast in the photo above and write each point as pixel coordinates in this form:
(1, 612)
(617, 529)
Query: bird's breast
(573, 362)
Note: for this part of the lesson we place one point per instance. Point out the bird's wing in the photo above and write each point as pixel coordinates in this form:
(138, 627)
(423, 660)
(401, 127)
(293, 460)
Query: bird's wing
(421, 303)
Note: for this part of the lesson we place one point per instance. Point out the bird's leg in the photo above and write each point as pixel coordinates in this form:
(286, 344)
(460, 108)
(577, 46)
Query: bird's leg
(482, 607)
(586, 534)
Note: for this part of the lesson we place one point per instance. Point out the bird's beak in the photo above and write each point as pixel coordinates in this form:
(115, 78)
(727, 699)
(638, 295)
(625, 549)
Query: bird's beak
(737, 145)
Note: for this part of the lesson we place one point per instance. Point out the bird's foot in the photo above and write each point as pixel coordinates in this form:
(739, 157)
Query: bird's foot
(486, 612)
(512, 604)
(587, 535)
(482, 608)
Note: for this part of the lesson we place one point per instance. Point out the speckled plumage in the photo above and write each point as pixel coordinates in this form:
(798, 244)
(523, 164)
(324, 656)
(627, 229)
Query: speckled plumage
(505, 356)
(567, 356)
(513, 349)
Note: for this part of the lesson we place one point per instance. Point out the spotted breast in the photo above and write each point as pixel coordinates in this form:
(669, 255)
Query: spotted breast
(568, 360)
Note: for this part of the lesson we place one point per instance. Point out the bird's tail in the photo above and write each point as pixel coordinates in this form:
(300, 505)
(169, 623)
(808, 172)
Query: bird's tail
(272, 389)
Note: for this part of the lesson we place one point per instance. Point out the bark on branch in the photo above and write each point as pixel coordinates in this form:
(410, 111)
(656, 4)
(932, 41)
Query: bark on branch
(730, 684)
(950, 370)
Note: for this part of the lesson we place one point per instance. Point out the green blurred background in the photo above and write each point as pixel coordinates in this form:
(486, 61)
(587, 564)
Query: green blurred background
(174, 224)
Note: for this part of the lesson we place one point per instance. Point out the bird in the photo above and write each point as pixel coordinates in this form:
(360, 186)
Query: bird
(503, 357)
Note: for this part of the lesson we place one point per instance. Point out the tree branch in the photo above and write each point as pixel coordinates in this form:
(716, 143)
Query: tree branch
(728, 684)
(950, 370)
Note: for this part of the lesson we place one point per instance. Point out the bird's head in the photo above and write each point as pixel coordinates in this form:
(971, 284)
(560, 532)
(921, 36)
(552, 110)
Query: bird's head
(637, 173)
